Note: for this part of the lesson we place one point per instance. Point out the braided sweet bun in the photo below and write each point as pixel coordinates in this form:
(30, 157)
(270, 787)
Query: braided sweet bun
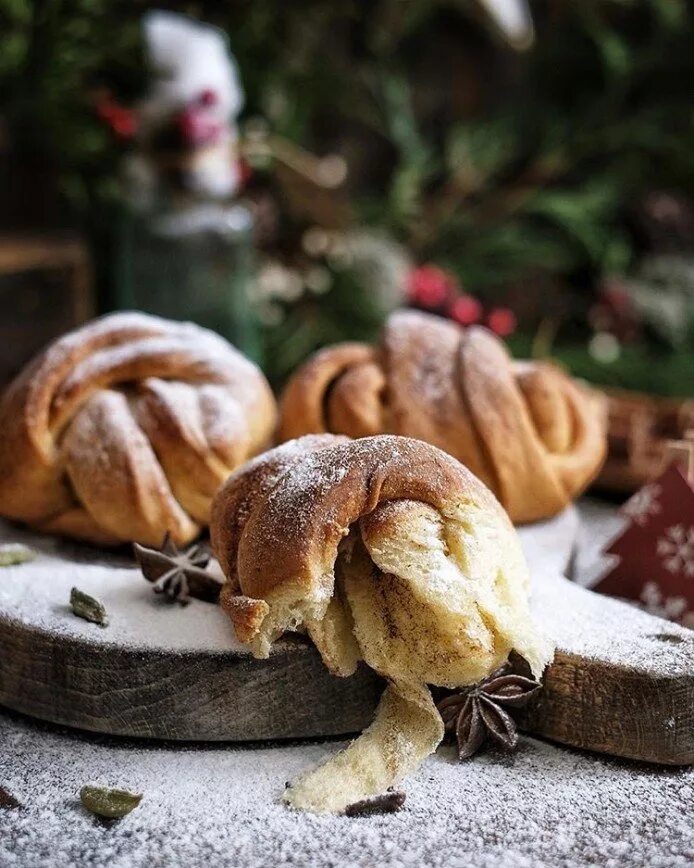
(526, 429)
(126, 427)
(385, 550)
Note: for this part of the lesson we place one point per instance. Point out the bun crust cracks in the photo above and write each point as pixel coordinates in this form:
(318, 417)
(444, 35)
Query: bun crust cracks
(526, 429)
(126, 427)
(385, 550)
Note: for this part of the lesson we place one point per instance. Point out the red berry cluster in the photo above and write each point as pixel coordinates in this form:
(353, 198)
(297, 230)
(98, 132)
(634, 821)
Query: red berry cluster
(432, 288)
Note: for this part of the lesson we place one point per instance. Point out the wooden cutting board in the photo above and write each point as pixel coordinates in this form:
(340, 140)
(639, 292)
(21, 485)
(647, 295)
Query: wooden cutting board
(622, 681)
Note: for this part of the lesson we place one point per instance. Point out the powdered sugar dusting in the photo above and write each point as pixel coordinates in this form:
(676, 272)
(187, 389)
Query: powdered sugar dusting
(542, 805)
(96, 400)
(601, 628)
(137, 618)
(37, 593)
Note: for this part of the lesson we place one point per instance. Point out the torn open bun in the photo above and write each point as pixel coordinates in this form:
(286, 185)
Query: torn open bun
(385, 550)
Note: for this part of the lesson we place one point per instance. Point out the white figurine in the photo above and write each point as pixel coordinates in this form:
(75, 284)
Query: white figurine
(187, 135)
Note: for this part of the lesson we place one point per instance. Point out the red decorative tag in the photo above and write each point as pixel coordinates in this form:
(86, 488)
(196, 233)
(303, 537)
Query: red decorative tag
(656, 549)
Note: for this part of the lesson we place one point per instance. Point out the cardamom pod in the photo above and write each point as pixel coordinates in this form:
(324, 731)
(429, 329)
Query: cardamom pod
(15, 553)
(105, 802)
(87, 607)
(7, 800)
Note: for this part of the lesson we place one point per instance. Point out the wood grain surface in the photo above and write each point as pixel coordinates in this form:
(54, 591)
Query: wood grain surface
(201, 696)
(622, 681)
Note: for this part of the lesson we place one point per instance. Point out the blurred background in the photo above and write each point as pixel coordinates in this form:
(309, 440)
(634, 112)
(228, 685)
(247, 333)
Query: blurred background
(289, 173)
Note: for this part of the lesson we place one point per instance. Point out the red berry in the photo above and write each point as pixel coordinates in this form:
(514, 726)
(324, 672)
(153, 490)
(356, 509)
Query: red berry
(121, 120)
(465, 310)
(429, 286)
(502, 321)
(124, 124)
(208, 97)
(615, 295)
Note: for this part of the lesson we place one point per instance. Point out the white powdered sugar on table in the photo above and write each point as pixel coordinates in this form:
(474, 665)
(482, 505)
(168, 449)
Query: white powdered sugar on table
(600, 628)
(218, 804)
(542, 805)
(37, 593)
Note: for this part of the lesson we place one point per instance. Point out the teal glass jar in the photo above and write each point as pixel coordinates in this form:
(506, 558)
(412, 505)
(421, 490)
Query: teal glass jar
(194, 263)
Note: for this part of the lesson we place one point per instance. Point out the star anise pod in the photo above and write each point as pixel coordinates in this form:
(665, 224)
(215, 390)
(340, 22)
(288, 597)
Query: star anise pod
(479, 712)
(178, 574)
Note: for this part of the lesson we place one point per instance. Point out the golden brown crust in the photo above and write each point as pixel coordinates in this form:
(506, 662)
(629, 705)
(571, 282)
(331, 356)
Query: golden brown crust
(330, 364)
(246, 614)
(279, 520)
(126, 427)
(530, 432)
(246, 489)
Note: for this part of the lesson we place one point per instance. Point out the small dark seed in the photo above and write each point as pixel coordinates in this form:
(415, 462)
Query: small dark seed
(7, 800)
(388, 803)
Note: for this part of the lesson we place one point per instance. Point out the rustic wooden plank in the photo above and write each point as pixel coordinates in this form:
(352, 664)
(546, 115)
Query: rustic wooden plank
(622, 681)
(157, 670)
(206, 696)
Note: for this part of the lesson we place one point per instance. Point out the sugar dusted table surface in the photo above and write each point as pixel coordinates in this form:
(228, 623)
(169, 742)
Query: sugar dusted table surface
(542, 805)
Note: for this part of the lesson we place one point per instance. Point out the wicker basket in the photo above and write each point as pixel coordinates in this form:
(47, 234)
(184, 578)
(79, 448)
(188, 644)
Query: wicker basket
(640, 428)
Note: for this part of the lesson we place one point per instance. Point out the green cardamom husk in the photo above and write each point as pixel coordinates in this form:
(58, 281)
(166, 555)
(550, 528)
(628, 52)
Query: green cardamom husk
(87, 607)
(105, 802)
(15, 553)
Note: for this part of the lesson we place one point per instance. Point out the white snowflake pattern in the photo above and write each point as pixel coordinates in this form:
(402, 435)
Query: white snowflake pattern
(672, 608)
(676, 548)
(643, 504)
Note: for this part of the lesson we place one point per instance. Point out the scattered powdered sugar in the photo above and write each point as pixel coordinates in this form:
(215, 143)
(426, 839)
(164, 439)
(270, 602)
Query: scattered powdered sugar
(598, 626)
(306, 480)
(37, 593)
(601, 628)
(300, 481)
(600, 524)
(541, 805)
(112, 351)
(137, 617)
(548, 545)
